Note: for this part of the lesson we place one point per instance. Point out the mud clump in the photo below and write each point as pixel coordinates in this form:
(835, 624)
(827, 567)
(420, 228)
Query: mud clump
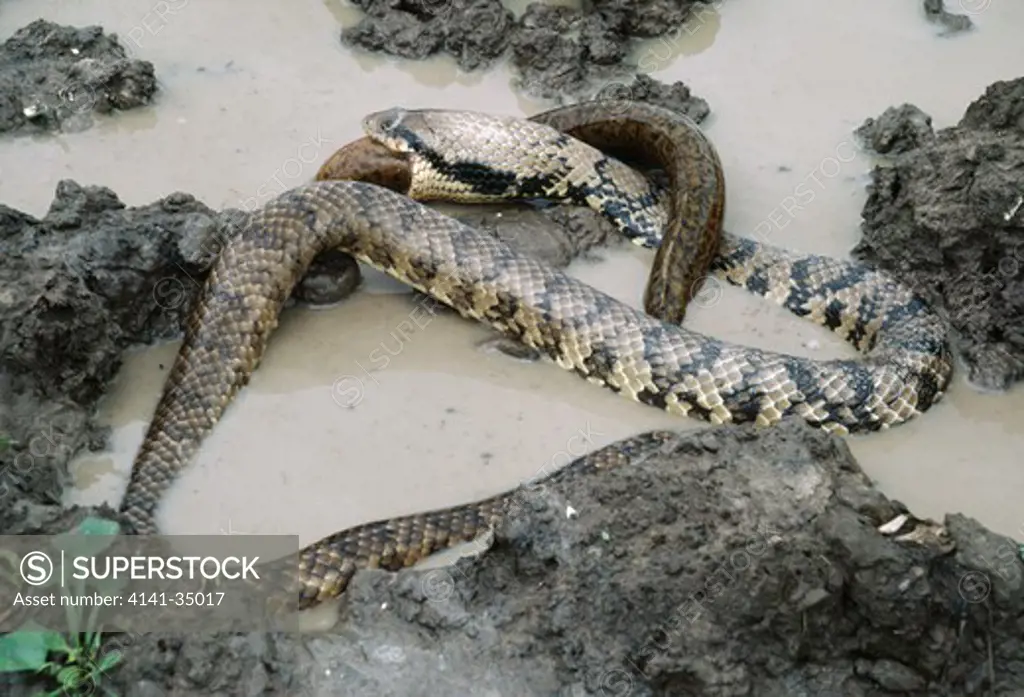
(54, 77)
(676, 96)
(899, 129)
(947, 216)
(746, 563)
(85, 282)
(556, 52)
(952, 22)
(474, 32)
(644, 19)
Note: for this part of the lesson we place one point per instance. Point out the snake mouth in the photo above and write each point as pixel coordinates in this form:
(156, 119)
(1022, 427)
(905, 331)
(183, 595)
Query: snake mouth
(385, 127)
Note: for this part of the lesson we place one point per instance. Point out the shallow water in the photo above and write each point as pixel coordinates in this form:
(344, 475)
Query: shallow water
(326, 436)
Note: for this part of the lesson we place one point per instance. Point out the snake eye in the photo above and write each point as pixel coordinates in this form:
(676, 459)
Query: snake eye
(385, 122)
(391, 119)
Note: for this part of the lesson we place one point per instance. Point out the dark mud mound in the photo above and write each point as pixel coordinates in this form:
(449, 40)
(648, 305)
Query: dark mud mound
(746, 562)
(88, 280)
(559, 51)
(643, 88)
(733, 561)
(54, 77)
(475, 32)
(556, 52)
(952, 22)
(947, 214)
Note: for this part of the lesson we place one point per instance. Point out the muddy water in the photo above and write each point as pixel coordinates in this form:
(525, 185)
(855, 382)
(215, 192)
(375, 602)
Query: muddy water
(376, 407)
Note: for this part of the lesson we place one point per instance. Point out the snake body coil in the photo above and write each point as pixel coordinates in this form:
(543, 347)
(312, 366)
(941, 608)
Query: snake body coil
(904, 371)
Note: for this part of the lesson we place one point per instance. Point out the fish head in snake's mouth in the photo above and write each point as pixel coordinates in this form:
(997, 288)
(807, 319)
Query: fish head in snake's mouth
(427, 139)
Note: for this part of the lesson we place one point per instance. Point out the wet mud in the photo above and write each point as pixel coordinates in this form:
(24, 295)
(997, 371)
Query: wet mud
(735, 561)
(474, 32)
(947, 215)
(951, 22)
(55, 77)
(557, 52)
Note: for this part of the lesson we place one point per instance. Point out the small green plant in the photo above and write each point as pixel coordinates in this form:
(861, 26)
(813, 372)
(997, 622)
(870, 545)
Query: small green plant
(76, 665)
(74, 662)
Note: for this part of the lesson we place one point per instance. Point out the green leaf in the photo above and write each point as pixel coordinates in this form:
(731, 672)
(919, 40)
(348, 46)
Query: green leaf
(88, 538)
(54, 640)
(23, 651)
(73, 677)
(98, 526)
(108, 661)
(50, 668)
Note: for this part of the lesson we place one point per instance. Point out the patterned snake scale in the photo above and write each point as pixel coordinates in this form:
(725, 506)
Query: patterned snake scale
(905, 367)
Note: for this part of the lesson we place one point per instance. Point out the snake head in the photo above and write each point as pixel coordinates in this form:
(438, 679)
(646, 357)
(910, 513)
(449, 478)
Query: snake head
(389, 128)
(419, 132)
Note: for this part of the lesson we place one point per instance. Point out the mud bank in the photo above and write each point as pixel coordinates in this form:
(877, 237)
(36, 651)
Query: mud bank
(89, 280)
(947, 214)
(744, 563)
(556, 52)
(55, 77)
(733, 562)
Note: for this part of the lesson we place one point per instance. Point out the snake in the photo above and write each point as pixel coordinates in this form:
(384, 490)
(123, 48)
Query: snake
(903, 371)
(686, 233)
